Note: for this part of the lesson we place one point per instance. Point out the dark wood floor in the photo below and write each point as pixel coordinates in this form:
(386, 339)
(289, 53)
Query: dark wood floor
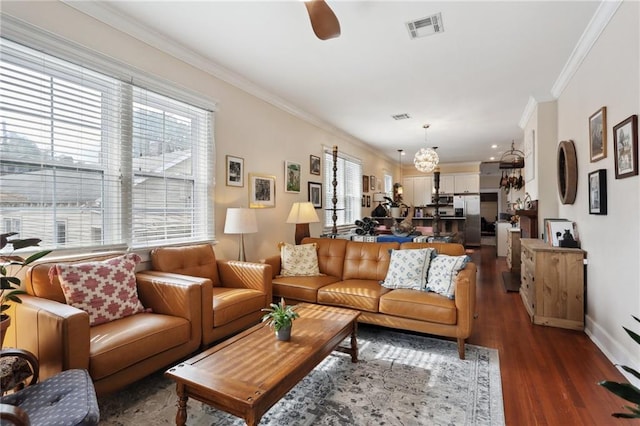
(549, 375)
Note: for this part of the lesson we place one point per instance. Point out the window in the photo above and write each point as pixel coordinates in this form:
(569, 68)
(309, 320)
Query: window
(87, 159)
(388, 184)
(348, 189)
(11, 225)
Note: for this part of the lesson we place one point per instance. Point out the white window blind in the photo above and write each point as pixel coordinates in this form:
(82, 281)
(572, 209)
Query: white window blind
(348, 189)
(116, 163)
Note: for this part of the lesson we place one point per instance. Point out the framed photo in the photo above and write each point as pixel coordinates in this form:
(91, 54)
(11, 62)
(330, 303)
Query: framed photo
(291, 177)
(315, 194)
(235, 171)
(372, 182)
(598, 192)
(368, 200)
(365, 183)
(314, 165)
(598, 134)
(262, 191)
(625, 147)
(364, 201)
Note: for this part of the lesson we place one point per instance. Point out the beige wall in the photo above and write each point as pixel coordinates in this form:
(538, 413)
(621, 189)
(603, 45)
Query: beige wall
(609, 76)
(245, 126)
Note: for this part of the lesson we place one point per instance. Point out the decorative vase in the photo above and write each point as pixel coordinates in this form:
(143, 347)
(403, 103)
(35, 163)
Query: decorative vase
(5, 322)
(395, 212)
(284, 334)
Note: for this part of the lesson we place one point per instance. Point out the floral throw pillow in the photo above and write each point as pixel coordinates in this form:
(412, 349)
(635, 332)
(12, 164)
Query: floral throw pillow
(443, 272)
(299, 260)
(106, 290)
(408, 268)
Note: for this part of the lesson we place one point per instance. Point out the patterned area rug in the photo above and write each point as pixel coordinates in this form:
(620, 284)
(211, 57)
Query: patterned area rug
(401, 379)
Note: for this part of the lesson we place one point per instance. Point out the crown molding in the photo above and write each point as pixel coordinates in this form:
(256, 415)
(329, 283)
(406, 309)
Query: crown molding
(528, 112)
(102, 12)
(596, 26)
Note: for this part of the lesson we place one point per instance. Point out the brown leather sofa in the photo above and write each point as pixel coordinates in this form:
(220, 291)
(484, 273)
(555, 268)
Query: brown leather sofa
(115, 353)
(353, 271)
(233, 292)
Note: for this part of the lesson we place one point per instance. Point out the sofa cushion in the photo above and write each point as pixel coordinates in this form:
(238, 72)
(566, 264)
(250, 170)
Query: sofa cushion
(408, 269)
(106, 290)
(229, 304)
(442, 273)
(419, 305)
(119, 344)
(299, 260)
(304, 289)
(356, 294)
(367, 261)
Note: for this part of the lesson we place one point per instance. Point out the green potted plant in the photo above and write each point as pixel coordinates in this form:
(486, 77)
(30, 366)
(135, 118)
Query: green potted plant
(10, 284)
(280, 316)
(626, 390)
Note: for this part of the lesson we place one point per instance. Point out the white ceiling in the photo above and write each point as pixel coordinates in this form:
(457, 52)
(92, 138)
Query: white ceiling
(471, 83)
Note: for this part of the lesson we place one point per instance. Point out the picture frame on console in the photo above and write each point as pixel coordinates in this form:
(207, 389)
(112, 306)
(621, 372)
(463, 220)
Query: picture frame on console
(598, 192)
(598, 135)
(292, 177)
(315, 194)
(262, 191)
(314, 165)
(625, 147)
(235, 171)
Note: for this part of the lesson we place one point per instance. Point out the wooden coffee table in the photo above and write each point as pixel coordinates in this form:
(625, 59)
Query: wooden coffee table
(248, 373)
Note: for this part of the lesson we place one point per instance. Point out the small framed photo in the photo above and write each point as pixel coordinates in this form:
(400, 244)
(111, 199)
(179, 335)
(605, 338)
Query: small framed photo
(315, 194)
(314, 165)
(625, 147)
(235, 171)
(364, 201)
(598, 192)
(598, 134)
(372, 182)
(368, 200)
(365, 183)
(262, 191)
(291, 177)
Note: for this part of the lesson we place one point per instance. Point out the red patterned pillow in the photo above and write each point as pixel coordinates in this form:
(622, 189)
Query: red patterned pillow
(106, 290)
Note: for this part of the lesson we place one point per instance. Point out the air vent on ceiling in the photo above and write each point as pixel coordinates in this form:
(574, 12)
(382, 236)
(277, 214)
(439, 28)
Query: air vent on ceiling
(425, 26)
(401, 116)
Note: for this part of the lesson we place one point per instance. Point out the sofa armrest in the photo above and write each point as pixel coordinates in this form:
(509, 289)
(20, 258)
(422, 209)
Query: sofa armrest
(276, 263)
(465, 299)
(251, 275)
(176, 295)
(56, 333)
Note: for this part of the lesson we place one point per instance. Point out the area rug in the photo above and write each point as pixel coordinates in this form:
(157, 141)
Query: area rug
(400, 379)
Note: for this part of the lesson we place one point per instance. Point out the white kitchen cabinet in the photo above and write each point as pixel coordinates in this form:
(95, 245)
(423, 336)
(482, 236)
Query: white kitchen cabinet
(447, 184)
(417, 190)
(467, 183)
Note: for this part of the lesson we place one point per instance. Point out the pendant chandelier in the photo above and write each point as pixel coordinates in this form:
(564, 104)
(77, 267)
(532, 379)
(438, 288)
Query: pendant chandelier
(426, 159)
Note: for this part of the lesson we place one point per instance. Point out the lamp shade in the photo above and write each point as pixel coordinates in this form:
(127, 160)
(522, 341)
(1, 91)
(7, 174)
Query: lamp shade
(379, 197)
(303, 213)
(240, 221)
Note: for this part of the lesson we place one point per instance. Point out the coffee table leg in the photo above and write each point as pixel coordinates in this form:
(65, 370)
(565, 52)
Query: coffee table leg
(181, 417)
(354, 342)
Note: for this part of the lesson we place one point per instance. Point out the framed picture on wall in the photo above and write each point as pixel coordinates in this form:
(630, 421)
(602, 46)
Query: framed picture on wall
(365, 183)
(291, 177)
(625, 147)
(314, 165)
(235, 171)
(372, 182)
(315, 194)
(598, 134)
(598, 192)
(262, 191)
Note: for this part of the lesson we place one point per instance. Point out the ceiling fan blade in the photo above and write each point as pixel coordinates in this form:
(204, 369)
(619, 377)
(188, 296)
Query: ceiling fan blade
(323, 21)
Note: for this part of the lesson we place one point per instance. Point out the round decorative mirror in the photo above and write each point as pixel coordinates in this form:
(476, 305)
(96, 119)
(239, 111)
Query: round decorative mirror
(567, 172)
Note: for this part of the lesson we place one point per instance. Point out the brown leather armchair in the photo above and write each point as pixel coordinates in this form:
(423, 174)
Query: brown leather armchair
(115, 353)
(233, 292)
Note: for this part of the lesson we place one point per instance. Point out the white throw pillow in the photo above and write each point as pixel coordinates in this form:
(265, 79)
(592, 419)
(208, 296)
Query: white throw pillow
(408, 268)
(299, 260)
(442, 273)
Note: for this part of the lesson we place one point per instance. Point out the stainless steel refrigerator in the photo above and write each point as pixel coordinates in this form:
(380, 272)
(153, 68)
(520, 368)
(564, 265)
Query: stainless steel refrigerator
(471, 211)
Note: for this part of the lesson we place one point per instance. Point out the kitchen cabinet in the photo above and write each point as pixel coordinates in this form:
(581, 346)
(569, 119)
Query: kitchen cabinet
(466, 183)
(447, 184)
(513, 250)
(552, 284)
(502, 229)
(417, 190)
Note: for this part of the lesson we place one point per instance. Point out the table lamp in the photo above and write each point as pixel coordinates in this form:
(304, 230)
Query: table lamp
(302, 214)
(240, 221)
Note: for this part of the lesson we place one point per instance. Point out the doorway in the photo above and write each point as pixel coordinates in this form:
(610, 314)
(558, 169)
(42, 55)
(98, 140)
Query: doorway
(488, 217)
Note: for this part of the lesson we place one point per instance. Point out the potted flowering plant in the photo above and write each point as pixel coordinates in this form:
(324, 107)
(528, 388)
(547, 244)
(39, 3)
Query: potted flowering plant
(280, 316)
(10, 284)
